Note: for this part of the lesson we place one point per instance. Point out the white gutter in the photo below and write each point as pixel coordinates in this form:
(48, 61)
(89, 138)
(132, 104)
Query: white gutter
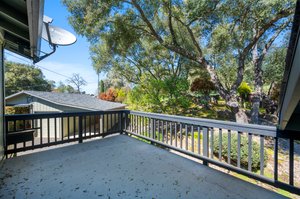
(35, 11)
(292, 94)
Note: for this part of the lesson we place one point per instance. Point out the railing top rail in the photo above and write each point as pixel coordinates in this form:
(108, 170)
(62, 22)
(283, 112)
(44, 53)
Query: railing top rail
(61, 114)
(249, 128)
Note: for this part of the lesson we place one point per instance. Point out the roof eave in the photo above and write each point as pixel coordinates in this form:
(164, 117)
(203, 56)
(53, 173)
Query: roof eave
(35, 10)
(290, 96)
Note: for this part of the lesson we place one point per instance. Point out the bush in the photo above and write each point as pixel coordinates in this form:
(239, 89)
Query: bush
(244, 151)
(244, 91)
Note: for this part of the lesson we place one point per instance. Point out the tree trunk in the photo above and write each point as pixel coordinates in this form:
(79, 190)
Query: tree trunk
(239, 113)
(256, 98)
(230, 97)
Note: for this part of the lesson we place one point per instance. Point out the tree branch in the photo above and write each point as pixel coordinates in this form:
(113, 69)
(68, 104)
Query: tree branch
(273, 38)
(171, 24)
(145, 19)
(265, 27)
(196, 44)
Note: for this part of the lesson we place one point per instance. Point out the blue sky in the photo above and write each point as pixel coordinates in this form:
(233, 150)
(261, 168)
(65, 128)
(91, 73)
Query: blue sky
(67, 59)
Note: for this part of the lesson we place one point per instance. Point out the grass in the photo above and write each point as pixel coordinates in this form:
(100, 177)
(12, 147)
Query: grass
(247, 179)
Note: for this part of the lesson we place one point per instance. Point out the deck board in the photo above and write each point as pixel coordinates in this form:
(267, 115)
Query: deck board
(118, 167)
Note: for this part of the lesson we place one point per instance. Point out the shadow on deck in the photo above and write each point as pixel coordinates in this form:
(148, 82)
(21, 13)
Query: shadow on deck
(118, 167)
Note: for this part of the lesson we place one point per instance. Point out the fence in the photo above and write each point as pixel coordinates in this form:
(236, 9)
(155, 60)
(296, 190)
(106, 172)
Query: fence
(260, 152)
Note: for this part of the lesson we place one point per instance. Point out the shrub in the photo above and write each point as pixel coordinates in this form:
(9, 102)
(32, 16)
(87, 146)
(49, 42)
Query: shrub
(244, 91)
(244, 151)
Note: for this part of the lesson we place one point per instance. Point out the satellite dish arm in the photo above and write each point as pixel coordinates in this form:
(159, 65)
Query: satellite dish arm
(37, 59)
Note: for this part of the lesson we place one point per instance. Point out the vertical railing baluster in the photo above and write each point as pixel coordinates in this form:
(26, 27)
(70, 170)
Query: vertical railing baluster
(149, 127)
(291, 162)
(229, 147)
(171, 134)
(175, 134)
(32, 126)
(41, 131)
(212, 143)
(125, 121)
(163, 130)
(24, 127)
(62, 128)
(55, 130)
(239, 149)
(199, 134)
(102, 116)
(80, 129)
(120, 122)
(144, 126)
(205, 144)
(48, 129)
(262, 155)
(180, 135)
(249, 152)
(74, 127)
(186, 137)
(135, 125)
(220, 144)
(68, 120)
(15, 126)
(192, 134)
(129, 122)
(111, 122)
(95, 123)
(275, 159)
(90, 125)
(85, 126)
(106, 122)
(154, 129)
(167, 132)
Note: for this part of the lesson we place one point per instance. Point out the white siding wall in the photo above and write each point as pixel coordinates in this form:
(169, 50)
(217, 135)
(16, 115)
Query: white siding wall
(42, 106)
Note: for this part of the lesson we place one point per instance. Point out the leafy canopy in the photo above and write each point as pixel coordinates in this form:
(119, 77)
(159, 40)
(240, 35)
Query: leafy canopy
(20, 77)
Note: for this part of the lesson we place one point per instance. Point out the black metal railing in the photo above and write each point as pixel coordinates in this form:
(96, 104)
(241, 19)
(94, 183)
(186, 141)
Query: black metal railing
(259, 152)
(31, 131)
(250, 150)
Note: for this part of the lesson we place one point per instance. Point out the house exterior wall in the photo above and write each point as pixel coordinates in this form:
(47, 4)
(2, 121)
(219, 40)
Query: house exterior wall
(62, 128)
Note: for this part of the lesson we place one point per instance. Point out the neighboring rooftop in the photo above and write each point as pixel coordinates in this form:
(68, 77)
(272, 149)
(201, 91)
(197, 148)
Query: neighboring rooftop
(82, 101)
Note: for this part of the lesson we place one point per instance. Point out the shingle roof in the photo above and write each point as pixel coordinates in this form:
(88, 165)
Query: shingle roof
(82, 101)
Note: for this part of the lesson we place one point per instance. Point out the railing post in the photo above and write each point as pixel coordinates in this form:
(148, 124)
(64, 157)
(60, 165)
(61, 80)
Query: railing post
(205, 144)
(126, 122)
(80, 129)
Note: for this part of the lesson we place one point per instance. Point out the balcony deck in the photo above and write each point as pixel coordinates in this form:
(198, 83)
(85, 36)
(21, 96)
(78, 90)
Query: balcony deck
(117, 167)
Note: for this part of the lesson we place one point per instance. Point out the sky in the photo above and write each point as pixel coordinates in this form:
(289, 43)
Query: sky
(67, 59)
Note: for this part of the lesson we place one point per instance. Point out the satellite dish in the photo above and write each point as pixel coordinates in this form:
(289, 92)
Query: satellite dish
(57, 36)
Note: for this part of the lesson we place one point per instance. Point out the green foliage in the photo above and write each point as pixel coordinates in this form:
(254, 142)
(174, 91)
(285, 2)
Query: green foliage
(274, 65)
(62, 88)
(167, 95)
(102, 88)
(165, 39)
(244, 91)
(121, 94)
(20, 77)
(244, 151)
